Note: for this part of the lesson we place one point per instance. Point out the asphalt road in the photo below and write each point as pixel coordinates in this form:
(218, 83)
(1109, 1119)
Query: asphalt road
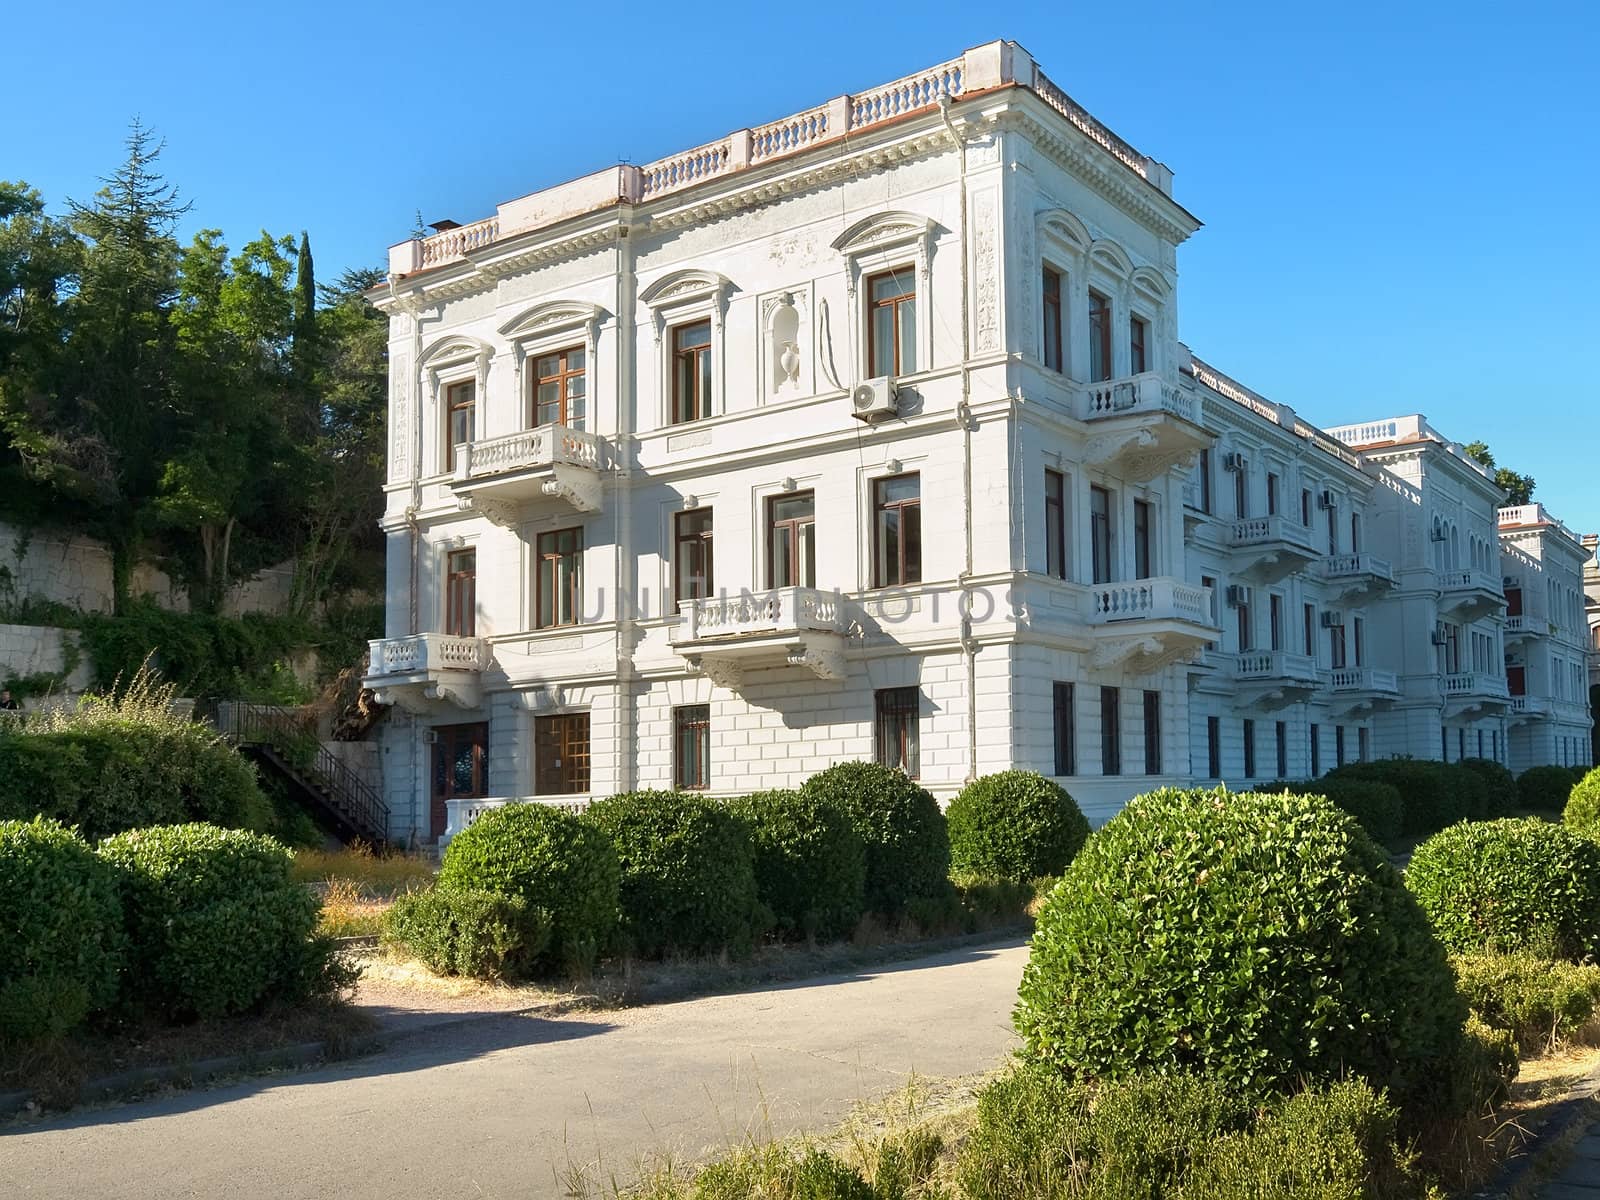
(507, 1106)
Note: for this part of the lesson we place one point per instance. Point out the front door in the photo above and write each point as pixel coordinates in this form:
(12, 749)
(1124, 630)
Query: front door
(460, 768)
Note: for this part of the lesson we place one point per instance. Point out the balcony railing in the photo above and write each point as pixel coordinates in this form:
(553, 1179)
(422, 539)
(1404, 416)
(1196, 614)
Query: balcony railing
(1469, 580)
(426, 652)
(1250, 532)
(528, 450)
(1150, 600)
(1465, 684)
(1529, 706)
(760, 614)
(1275, 665)
(1150, 392)
(1355, 566)
(1363, 679)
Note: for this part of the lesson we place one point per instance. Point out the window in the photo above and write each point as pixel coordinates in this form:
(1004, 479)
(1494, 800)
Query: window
(559, 390)
(791, 540)
(1055, 523)
(691, 555)
(1205, 481)
(561, 754)
(1281, 737)
(1099, 337)
(461, 593)
(1243, 611)
(1311, 630)
(1241, 493)
(1152, 733)
(460, 768)
(1213, 747)
(892, 323)
(1110, 731)
(560, 579)
(1316, 752)
(897, 530)
(1355, 533)
(1210, 584)
(691, 747)
(1138, 345)
(691, 372)
(1100, 533)
(1275, 619)
(897, 729)
(1452, 648)
(1338, 745)
(1249, 749)
(1051, 291)
(1141, 539)
(1363, 744)
(1336, 647)
(1333, 531)
(1272, 494)
(460, 402)
(1361, 653)
(1513, 602)
(1305, 507)
(1066, 729)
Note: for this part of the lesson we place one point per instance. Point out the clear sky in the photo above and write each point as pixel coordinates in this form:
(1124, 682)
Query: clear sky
(1401, 201)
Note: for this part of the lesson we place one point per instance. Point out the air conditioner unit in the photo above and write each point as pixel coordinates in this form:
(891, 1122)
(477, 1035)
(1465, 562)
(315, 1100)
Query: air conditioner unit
(1325, 499)
(1233, 461)
(874, 399)
(430, 737)
(1238, 595)
(1438, 637)
(1332, 618)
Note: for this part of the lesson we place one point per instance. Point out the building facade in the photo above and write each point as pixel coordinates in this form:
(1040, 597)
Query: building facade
(868, 434)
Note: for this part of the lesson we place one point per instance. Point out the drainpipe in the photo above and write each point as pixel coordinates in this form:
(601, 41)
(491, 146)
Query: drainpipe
(626, 580)
(964, 416)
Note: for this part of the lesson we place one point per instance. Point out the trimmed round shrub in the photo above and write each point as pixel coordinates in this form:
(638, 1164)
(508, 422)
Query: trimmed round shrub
(1260, 939)
(1545, 789)
(688, 871)
(464, 931)
(1376, 807)
(1510, 887)
(61, 941)
(1501, 785)
(1430, 792)
(810, 863)
(556, 862)
(216, 923)
(908, 846)
(1582, 812)
(1014, 825)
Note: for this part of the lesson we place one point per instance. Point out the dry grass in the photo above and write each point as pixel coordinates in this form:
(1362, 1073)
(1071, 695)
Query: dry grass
(376, 875)
(347, 911)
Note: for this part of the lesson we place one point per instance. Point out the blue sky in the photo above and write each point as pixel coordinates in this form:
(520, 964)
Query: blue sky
(1400, 199)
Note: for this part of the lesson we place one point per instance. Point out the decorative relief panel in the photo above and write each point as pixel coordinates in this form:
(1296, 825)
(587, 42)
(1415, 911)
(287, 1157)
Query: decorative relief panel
(986, 270)
(400, 419)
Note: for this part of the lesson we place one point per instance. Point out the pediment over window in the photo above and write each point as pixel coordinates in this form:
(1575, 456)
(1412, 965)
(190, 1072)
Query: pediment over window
(1112, 258)
(455, 347)
(1150, 283)
(552, 316)
(1061, 226)
(883, 230)
(685, 287)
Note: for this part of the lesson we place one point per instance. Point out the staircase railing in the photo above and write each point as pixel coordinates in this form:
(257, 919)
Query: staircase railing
(292, 736)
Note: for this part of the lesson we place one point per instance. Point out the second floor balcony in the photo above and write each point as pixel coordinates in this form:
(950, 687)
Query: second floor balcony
(1362, 689)
(1268, 549)
(727, 634)
(1357, 577)
(1528, 708)
(423, 671)
(1475, 692)
(1274, 678)
(1524, 626)
(1142, 426)
(1145, 624)
(551, 462)
(1468, 594)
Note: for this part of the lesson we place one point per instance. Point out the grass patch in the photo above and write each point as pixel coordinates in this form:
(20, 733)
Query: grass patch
(347, 910)
(376, 875)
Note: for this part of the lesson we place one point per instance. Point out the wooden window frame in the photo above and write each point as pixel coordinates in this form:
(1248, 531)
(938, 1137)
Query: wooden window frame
(1316, 750)
(1214, 747)
(794, 562)
(1051, 306)
(691, 726)
(569, 774)
(688, 545)
(897, 739)
(562, 378)
(452, 406)
(894, 303)
(1152, 733)
(1110, 731)
(1275, 619)
(1205, 480)
(1064, 719)
(1281, 745)
(1143, 539)
(692, 362)
(881, 510)
(1102, 545)
(1248, 731)
(1100, 342)
(553, 538)
(1138, 344)
(461, 592)
(1055, 523)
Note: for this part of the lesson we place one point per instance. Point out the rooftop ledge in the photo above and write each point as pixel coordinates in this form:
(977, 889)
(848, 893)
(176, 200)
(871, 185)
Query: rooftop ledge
(983, 68)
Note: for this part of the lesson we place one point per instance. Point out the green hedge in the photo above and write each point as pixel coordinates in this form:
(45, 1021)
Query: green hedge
(555, 862)
(1538, 1001)
(810, 863)
(688, 872)
(1377, 807)
(1261, 939)
(1582, 812)
(1014, 825)
(1432, 794)
(1501, 785)
(908, 846)
(216, 923)
(1510, 886)
(462, 931)
(61, 940)
(1545, 789)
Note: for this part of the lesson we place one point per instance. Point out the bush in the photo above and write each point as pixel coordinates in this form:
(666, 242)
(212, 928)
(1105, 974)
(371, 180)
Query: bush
(1015, 825)
(908, 847)
(1510, 886)
(1538, 1001)
(554, 861)
(62, 947)
(1480, 1073)
(1469, 791)
(1501, 785)
(1431, 793)
(810, 863)
(1260, 939)
(1545, 789)
(461, 931)
(774, 1172)
(1376, 807)
(216, 923)
(688, 871)
(1582, 813)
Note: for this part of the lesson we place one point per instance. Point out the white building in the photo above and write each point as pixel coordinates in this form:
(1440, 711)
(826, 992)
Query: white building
(868, 433)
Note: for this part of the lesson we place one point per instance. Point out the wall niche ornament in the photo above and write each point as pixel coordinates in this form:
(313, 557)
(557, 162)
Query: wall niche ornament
(785, 345)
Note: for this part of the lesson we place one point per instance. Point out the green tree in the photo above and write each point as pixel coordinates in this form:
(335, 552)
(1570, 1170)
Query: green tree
(1517, 487)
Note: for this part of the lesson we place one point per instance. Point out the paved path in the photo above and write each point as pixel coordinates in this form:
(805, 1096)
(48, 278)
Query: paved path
(1580, 1179)
(499, 1107)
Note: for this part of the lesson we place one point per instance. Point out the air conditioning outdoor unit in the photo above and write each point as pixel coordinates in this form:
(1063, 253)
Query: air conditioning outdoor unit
(1438, 637)
(1325, 499)
(1332, 618)
(874, 399)
(1238, 595)
(1233, 461)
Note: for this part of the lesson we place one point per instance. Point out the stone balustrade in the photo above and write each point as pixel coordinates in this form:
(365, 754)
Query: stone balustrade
(1268, 665)
(1464, 684)
(421, 653)
(1261, 531)
(528, 449)
(1149, 392)
(1363, 679)
(757, 614)
(1349, 566)
(1161, 598)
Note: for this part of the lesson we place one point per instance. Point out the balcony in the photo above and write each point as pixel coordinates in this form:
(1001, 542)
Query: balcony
(1362, 689)
(1522, 627)
(1270, 548)
(1528, 708)
(496, 476)
(1469, 594)
(422, 672)
(1140, 427)
(795, 626)
(1475, 692)
(1145, 624)
(1357, 577)
(1274, 678)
